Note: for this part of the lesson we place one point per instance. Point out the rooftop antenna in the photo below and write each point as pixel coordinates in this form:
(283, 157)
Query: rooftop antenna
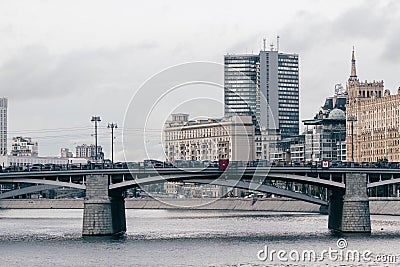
(265, 44)
(277, 43)
(272, 46)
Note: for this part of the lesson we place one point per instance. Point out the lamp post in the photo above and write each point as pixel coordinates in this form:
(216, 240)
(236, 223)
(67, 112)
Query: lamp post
(352, 119)
(96, 119)
(112, 126)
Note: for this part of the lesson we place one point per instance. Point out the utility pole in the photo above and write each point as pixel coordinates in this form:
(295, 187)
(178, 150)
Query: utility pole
(96, 119)
(112, 126)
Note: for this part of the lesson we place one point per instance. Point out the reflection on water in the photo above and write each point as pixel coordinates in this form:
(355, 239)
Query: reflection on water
(177, 238)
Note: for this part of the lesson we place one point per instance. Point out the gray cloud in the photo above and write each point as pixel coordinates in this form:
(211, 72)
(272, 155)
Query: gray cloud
(36, 73)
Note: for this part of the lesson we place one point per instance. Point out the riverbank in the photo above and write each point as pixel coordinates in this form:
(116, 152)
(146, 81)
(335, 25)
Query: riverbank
(379, 206)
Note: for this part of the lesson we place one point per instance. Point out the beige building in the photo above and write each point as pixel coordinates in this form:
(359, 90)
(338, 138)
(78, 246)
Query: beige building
(209, 139)
(373, 117)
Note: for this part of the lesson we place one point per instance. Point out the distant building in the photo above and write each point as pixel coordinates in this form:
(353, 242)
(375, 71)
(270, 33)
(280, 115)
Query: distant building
(22, 161)
(288, 150)
(65, 153)
(89, 152)
(325, 135)
(266, 87)
(265, 142)
(325, 138)
(3, 126)
(373, 116)
(24, 147)
(209, 139)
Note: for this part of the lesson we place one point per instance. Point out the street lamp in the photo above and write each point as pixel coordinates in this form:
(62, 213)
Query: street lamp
(95, 119)
(352, 119)
(112, 126)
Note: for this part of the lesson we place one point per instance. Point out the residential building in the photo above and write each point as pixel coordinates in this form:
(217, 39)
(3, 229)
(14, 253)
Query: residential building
(3, 125)
(65, 153)
(89, 152)
(24, 147)
(209, 139)
(373, 120)
(266, 87)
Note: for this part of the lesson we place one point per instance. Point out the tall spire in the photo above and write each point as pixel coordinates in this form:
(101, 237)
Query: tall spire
(353, 75)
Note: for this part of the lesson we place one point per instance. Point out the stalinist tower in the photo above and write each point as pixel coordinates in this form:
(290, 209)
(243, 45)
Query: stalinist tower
(373, 120)
(357, 89)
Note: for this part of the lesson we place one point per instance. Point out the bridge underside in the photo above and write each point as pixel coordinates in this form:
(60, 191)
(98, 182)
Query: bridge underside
(104, 212)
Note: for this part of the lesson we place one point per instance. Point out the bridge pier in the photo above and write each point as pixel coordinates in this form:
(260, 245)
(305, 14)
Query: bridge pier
(104, 210)
(349, 209)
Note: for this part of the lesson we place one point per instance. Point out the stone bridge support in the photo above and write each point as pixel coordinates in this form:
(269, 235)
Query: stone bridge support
(349, 209)
(104, 210)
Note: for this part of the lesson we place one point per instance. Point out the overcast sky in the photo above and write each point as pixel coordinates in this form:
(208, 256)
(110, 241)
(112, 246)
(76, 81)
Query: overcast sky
(63, 61)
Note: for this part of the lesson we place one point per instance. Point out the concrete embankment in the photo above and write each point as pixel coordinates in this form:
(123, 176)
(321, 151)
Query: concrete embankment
(386, 206)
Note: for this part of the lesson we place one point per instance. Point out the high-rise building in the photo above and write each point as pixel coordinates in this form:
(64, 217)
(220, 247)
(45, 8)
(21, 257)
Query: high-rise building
(373, 120)
(241, 95)
(266, 87)
(3, 126)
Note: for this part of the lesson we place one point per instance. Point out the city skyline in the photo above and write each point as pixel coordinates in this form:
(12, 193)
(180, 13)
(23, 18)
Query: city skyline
(51, 72)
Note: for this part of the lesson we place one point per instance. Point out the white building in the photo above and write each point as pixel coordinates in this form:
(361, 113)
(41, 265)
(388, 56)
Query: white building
(3, 126)
(24, 147)
(8, 160)
(209, 139)
(88, 151)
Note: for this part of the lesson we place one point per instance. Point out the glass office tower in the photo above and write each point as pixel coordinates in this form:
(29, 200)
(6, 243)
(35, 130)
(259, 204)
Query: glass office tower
(266, 87)
(241, 94)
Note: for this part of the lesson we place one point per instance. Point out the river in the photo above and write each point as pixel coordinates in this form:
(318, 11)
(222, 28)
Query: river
(52, 237)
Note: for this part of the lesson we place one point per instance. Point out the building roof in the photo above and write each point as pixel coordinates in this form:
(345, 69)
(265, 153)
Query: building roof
(337, 114)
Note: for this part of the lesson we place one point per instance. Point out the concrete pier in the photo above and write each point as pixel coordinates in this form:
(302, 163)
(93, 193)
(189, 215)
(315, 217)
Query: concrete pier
(350, 212)
(104, 212)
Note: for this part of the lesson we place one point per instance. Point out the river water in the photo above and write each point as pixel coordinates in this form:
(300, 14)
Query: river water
(192, 238)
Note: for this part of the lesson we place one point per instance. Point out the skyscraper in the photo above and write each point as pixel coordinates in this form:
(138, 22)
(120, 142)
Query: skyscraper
(241, 93)
(266, 87)
(3, 126)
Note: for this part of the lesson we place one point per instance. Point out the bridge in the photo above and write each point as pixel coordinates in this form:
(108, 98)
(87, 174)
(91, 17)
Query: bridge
(104, 209)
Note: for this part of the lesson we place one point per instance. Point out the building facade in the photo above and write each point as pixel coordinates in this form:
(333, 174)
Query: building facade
(288, 150)
(266, 87)
(210, 139)
(373, 120)
(89, 152)
(241, 96)
(3, 126)
(65, 153)
(325, 134)
(24, 147)
(325, 138)
(8, 160)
